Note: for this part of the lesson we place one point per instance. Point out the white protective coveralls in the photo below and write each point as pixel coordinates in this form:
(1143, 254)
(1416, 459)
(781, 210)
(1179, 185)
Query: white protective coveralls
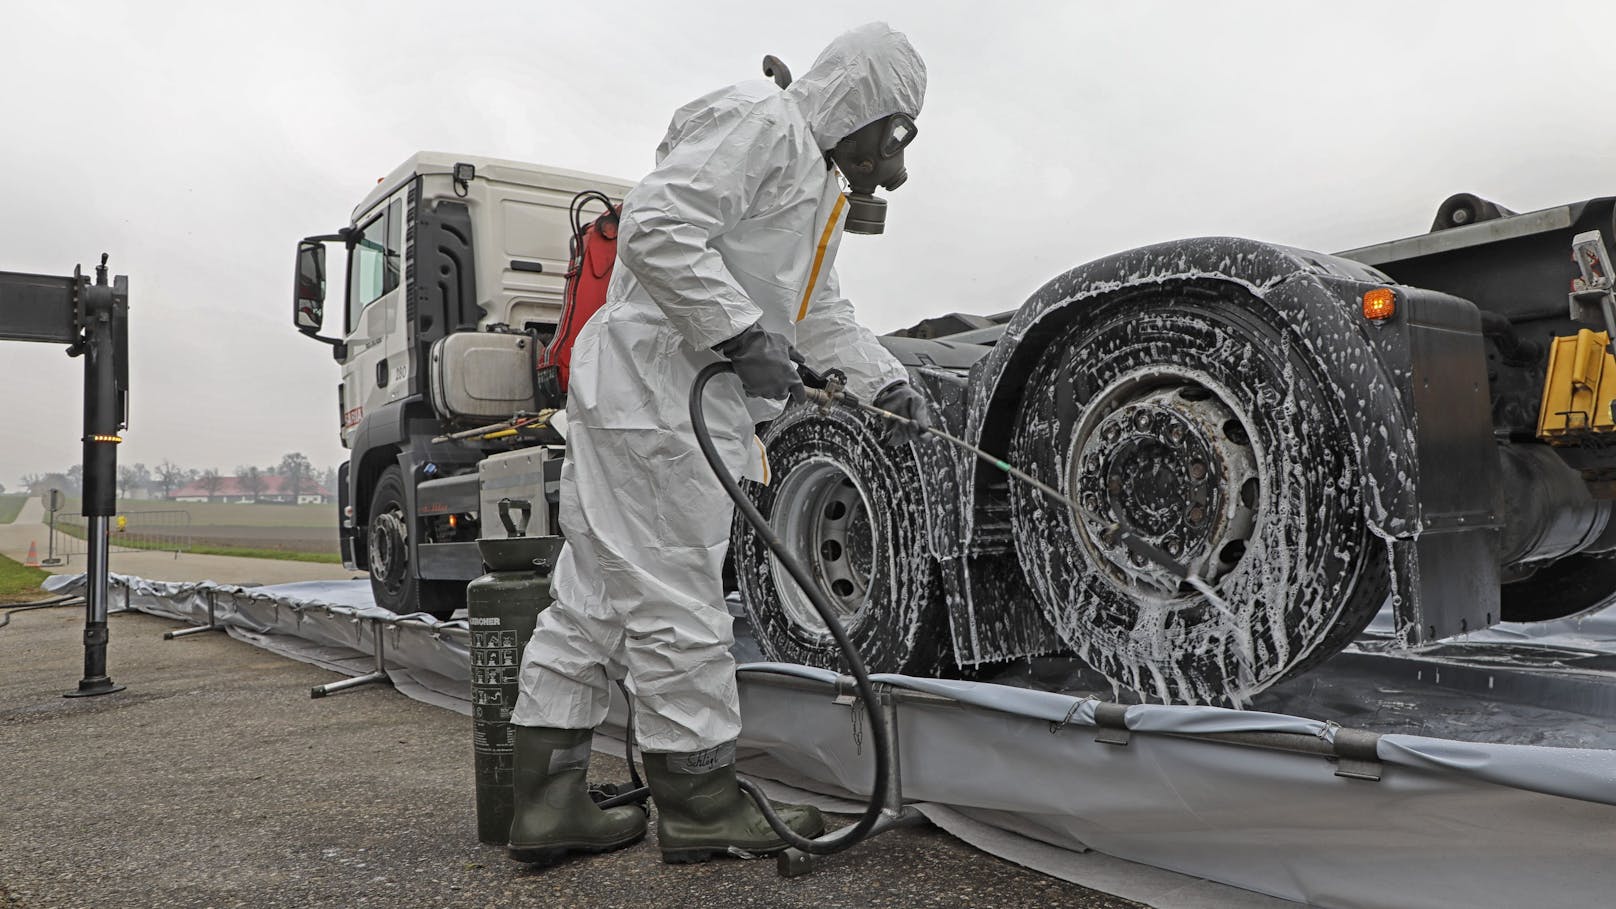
(738, 223)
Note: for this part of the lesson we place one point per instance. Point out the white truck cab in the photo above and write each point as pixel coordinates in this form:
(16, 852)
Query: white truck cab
(454, 282)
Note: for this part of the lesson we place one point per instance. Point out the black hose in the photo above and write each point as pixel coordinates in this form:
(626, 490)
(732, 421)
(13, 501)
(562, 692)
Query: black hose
(634, 781)
(847, 836)
(637, 793)
(70, 600)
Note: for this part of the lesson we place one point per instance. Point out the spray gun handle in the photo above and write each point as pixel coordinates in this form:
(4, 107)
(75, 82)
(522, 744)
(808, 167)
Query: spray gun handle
(825, 388)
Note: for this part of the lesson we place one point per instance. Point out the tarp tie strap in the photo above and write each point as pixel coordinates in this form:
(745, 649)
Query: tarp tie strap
(1070, 713)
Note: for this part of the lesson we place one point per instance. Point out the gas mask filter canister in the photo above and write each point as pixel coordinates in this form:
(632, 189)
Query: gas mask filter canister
(871, 157)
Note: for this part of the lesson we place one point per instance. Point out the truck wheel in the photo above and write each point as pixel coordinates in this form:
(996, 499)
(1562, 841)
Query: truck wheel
(1188, 416)
(854, 511)
(1571, 586)
(393, 584)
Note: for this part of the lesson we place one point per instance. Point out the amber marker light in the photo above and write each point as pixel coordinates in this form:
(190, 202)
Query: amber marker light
(1379, 304)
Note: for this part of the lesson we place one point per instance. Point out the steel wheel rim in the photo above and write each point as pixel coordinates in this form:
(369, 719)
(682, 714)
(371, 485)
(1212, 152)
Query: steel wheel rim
(1165, 453)
(823, 514)
(389, 541)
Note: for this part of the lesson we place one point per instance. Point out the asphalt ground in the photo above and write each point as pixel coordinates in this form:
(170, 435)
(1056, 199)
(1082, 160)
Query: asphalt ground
(215, 781)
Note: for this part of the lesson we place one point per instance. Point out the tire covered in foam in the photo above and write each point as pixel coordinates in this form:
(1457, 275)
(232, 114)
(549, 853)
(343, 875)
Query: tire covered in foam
(900, 626)
(1311, 576)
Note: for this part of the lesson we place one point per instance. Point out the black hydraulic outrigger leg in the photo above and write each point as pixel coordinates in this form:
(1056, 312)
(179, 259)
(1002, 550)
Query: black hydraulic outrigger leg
(93, 320)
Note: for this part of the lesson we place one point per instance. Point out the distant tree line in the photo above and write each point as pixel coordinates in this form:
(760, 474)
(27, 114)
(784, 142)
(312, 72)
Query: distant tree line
(296, 476)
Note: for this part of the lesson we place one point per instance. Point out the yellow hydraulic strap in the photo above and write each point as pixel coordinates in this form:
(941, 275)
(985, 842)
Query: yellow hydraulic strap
(819, 253)
(1578, 389)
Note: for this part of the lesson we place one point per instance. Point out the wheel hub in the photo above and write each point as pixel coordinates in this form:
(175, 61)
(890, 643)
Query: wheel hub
(1174, 466)
(822, 514)
(389, 546)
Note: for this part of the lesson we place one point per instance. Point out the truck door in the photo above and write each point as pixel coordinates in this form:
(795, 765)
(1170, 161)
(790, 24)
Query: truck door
(378, 367)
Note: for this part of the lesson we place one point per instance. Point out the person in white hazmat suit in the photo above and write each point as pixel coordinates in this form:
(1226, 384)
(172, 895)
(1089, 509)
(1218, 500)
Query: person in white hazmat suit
(725, 251)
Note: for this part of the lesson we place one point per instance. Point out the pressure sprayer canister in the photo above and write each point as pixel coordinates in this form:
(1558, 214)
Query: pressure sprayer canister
(501, 608)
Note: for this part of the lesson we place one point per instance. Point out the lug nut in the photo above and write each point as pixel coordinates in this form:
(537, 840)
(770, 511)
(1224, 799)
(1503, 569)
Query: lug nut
(1176, 433)
(1197, 514)
(1197, 470)
(1141, 420)
(1110, 432)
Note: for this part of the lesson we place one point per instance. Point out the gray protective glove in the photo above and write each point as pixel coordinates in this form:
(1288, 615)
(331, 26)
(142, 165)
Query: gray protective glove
(901, 398)
(763, 363)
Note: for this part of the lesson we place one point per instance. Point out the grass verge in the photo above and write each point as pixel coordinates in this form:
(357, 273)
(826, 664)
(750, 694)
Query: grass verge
(9, 506)
(329, 558)
(245, 552)
(18, 583)
(204, 514)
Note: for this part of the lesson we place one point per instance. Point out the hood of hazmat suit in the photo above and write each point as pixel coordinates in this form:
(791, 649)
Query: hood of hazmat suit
(869, 73)
(737, 224)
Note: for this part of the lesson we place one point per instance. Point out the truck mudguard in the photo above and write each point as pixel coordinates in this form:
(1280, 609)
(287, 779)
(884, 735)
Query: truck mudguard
(1421, 453)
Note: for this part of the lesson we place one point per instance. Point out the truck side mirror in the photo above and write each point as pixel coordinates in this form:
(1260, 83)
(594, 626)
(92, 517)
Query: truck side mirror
(308, 303)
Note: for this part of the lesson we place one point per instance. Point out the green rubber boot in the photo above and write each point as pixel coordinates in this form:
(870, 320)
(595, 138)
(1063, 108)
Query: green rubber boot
(554, 813)
(702, 812)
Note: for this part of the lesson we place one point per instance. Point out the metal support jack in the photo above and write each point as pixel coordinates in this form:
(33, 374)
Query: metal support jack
(796, 863)
(378, 675)
(93, 320)
(212, 625)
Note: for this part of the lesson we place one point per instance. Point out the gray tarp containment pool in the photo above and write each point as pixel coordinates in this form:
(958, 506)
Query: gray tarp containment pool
(1298, 808)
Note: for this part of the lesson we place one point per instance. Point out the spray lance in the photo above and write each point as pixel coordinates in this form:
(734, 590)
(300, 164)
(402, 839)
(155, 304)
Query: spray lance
(830, 389)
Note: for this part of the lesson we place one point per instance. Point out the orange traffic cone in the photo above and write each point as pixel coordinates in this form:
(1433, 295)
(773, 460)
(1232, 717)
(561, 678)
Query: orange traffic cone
(33, 555)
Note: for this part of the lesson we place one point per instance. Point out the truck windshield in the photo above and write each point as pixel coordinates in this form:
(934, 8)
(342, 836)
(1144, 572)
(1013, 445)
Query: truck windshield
(373, 266)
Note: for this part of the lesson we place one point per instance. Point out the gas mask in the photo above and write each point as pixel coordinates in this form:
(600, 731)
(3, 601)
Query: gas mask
(871, 157)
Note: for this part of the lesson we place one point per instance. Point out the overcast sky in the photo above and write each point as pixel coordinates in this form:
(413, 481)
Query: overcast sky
(197, 142)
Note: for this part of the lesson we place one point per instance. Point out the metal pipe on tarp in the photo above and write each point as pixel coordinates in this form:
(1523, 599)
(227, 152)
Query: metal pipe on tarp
(377, 675)
(212, 625)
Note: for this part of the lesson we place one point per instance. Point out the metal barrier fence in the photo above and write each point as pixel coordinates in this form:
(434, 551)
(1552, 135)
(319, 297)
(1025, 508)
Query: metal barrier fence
(162, 531)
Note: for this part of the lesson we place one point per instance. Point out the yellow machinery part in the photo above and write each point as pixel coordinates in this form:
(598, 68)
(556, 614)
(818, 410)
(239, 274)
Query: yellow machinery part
(1578, 390)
